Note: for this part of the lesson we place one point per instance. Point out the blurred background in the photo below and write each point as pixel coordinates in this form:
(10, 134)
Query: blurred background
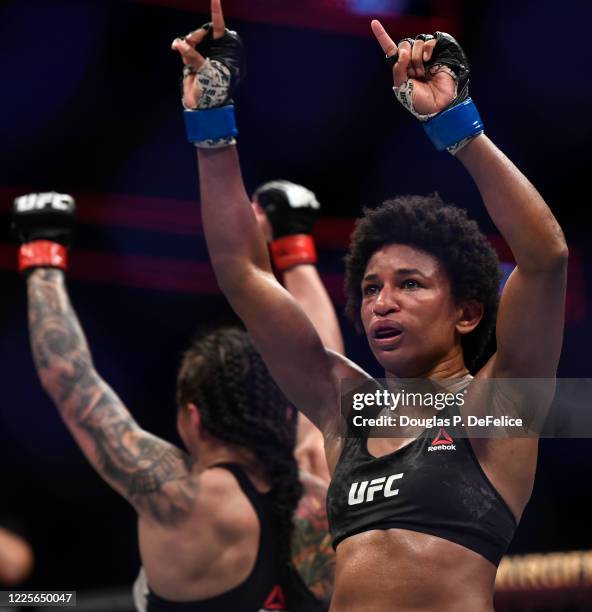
(91, 106)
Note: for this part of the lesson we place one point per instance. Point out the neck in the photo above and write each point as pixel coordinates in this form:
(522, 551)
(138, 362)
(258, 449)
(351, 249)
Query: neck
(212, 455)
(451, 365)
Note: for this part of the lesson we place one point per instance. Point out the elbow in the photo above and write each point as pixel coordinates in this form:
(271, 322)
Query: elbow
(552, 258)
(558, 249)
(233, 274)
(60, 384)
(49, 381)
(17, 563)
(558, 256)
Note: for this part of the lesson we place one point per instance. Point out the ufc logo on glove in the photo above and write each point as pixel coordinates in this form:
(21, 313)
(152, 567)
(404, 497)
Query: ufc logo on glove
(42, 201)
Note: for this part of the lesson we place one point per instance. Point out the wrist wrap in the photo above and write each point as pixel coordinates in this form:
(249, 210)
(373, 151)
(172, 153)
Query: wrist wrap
(211, 124)
(295, 250)
(42, 253)
(451, 126)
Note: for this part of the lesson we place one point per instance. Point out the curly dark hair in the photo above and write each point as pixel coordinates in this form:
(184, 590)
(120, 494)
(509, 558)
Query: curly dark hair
(239, 403)
(443, 231)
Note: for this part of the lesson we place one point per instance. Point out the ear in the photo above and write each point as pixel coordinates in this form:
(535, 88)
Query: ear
(470, 315)
(194, 418)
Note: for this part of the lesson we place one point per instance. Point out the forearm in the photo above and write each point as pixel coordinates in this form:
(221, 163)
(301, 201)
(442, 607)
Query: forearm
(151, 473)
(60, 350)
(235, 243)
(305, 284)
(312, 554)
(515, 206)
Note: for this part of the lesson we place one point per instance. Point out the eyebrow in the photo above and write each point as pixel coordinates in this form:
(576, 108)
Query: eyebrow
(398, 272)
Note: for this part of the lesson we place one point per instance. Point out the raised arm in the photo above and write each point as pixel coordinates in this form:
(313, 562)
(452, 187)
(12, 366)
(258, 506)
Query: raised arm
(280, 329)
(286, 213)
(431, 79)
(153, 475)
(530, 320)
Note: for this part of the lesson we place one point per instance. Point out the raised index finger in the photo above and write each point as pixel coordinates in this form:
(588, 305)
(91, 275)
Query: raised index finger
(384, 40)
(218, 19)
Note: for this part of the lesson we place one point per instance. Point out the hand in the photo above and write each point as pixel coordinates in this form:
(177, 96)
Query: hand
(195, 62)
(43, 216)
(288, 208)
(43, 223)
(423, 86)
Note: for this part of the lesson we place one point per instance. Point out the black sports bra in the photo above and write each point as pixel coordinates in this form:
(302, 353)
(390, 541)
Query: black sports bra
(433, 485)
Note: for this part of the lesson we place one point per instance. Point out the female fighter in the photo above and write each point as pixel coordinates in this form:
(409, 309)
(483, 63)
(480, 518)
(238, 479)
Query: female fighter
(214, 522)
(284, 210)
(414, 529)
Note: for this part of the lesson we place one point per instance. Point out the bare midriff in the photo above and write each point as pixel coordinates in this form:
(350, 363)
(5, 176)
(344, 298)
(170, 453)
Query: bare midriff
(402, 570)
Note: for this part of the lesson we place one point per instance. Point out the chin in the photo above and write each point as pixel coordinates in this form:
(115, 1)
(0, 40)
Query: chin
(401, 364)
(396, 363)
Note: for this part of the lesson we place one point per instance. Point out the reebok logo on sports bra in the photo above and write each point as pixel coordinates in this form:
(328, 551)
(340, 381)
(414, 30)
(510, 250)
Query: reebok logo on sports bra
(366, 489)
(442, 442)
(276, 600)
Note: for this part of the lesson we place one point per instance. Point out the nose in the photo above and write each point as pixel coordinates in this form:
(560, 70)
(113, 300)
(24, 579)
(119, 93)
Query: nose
(386, 303)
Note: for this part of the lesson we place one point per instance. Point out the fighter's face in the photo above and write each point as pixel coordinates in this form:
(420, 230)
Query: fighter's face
(408, 311)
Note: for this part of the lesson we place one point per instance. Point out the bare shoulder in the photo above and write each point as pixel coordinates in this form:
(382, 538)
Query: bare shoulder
(224, 502)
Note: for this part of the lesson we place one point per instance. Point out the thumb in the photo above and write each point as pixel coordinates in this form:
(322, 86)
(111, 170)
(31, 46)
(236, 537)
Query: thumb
(189, 55)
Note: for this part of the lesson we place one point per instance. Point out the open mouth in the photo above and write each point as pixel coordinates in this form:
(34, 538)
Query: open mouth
(382, 334)
(386, 335)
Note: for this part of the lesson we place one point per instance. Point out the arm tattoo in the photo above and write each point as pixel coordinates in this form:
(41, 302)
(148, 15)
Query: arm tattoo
(152, 474)
(312, 553)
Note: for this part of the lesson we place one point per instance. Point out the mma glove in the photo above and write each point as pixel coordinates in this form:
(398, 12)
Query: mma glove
(457, 124)
(43, 223)
(291, 210)
(212, 124)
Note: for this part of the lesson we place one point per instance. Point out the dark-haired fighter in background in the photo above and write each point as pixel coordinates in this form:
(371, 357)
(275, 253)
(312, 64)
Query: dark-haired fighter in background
(286, 213)
(436, 525)
(215, 522)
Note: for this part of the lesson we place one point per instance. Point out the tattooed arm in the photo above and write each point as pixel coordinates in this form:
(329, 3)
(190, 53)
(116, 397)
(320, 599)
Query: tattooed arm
(312, 553)
(153, 475)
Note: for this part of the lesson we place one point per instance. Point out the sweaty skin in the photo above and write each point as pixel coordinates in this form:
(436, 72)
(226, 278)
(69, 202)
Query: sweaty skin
(401, 570)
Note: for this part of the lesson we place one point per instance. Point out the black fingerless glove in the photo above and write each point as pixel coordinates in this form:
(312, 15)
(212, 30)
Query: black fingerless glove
(43, 223)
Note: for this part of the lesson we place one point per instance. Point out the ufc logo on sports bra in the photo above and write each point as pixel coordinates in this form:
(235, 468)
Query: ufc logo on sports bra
(366, 490)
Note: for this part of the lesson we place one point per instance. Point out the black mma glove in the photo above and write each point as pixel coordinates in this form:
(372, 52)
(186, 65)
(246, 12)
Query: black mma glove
(291, 210)
(213, 69)
(219, 80)
(454, 126)
(43, 223)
